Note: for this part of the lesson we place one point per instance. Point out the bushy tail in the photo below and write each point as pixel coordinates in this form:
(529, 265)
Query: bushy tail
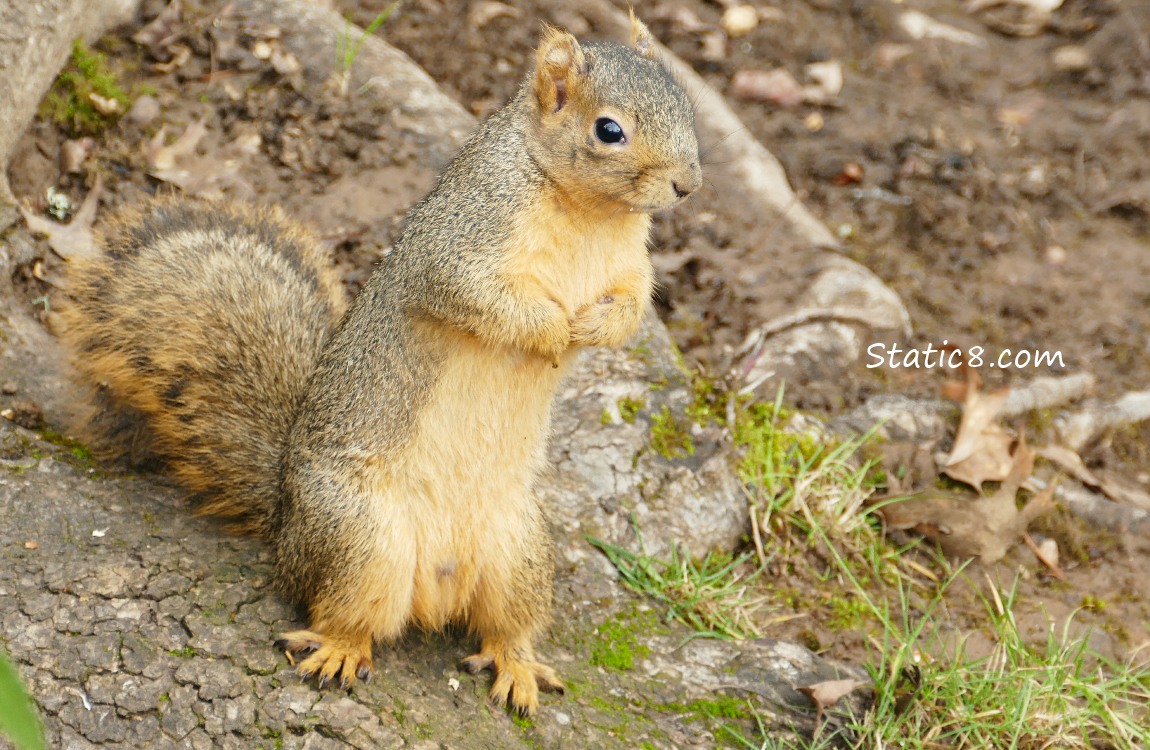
(205, 322)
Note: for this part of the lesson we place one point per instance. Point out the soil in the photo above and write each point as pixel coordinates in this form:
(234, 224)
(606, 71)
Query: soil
(1004, 196)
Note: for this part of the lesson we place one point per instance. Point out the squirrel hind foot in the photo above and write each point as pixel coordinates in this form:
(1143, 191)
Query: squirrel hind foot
(347, 658)
(518, 678)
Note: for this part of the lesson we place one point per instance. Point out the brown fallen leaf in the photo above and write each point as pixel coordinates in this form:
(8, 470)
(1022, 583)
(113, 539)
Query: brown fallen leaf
(208, 175)
(1069, 462)
(1115, 488)
(827, 693)
(74, 239)
(160, 34)
(974, 526)
(981, 450)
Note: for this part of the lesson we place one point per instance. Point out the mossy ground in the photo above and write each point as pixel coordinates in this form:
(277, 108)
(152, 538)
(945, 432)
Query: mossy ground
(75, 103)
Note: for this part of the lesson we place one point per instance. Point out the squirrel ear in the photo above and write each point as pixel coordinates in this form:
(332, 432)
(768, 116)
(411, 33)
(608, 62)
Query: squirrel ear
(559, 61)
(641, 38)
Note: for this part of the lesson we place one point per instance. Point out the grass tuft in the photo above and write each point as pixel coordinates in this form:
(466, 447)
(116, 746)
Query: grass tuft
(709, 596)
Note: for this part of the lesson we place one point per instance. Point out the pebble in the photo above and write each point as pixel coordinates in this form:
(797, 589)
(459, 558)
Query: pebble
(1056, 255)
(1071, 58)
(739, 20)
(145, 109)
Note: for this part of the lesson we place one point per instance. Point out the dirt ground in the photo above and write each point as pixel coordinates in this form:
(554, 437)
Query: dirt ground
(1001, 189)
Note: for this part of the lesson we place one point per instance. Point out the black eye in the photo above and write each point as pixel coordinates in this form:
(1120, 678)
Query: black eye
(608, 131)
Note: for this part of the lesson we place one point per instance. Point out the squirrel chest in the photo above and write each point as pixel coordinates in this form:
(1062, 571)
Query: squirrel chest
(466, 473)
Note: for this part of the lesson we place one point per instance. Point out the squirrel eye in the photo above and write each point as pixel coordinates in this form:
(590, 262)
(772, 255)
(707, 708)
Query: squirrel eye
(608, 131)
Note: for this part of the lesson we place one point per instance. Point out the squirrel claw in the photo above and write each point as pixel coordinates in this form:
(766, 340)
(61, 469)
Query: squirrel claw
(517, 681)
(329, 658)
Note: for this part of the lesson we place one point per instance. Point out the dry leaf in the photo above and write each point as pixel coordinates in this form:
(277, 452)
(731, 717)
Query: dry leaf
(74, 239)
(1122, 490)
(1115, 488)
(162, 157)
(981, 450)
(826, 694)
(206, 176)
(1069, 462)
(974, 526)
(161, 34)
(180, 54)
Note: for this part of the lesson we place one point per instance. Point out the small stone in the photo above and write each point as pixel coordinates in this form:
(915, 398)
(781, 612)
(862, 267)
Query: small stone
(27, 414)
(1071, 58)
(777, 86)
(9, 388)
(73, 154)
(739, 20)
(144, 110)
(1056, 255)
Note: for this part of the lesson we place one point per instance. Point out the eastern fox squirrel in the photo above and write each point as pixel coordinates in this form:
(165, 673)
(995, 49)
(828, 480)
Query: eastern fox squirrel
(389, 453)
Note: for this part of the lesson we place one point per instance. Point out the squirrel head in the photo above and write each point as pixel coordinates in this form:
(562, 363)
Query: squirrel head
(612, 125)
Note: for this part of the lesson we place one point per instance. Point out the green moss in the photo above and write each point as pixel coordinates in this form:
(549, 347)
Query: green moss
(659, 384)
(1093, 603)
(70, 102)
(1040, 421)
(400, 711)
(720, 707)
(714, 713)
(668, 438)
(710, 400)
(615, 646)
(187, 652)
(74, 447)
(629, 408)
(847, 613)
(643, 353)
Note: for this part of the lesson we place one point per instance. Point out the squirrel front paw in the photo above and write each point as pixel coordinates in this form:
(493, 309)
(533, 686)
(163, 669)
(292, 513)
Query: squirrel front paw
(609, 321)
(552, 336)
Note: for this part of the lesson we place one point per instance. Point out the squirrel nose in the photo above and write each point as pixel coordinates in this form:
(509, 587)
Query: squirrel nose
(687, 183)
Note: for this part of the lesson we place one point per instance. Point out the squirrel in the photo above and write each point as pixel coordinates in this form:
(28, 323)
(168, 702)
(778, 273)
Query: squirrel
(388, 449)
